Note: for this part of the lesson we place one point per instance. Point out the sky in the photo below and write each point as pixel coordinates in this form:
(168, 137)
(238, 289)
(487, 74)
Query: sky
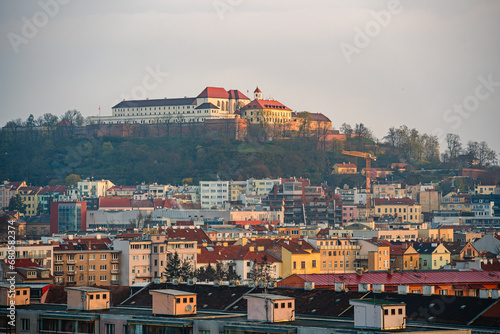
(431, 65)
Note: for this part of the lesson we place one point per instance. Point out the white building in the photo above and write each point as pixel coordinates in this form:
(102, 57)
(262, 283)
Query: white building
(214, 194)
(211, 103)
(91, 188)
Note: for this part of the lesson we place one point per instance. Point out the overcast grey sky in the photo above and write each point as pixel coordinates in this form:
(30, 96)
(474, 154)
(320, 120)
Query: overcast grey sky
(412, 66)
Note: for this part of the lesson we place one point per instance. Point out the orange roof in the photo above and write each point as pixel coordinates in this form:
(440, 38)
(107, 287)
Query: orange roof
(217, 92)
(257, 90)
(265, 104)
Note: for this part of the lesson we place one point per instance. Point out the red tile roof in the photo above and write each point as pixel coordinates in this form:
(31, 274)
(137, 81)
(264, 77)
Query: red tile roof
(53, 189)
(257, 90)
(114, 202)
(188, 233)
(216, 92)
(25, 263)
(236, 94)
(405, 278)
(265, 104)
(212, 254)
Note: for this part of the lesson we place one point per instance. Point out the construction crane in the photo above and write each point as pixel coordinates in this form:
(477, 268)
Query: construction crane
(368, 157)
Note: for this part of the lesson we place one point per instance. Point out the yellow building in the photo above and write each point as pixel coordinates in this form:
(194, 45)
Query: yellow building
(337, 255)
(265, 112)
(456, 202)
(299, 257)
(432, 234)
(237, 188)
(391, 190)
(480, 189)
(344, 168)
(127, 191)
(29, 196)
(432, 255)
(405, 208)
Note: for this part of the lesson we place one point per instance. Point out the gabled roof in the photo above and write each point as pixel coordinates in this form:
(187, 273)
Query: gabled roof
(265, 104)
(316, 116)
(155, 103)
(114, 202)
(455, 247)
(190, 234)
(215, 92)
(237, 95)
(425, 247)
(207, 105)
(53, 189)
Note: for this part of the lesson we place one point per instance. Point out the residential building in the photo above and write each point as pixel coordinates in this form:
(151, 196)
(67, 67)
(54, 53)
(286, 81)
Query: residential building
(164, 248)
(483, 205)
(297, 256)
(91, 188)
(29, 196)
(260, 111)
(337, 255)
(237, 189)
(376, 254)
(135, 260)
(48, 195)
(432, 255)
(457, 202)
(344, 168)
(404, 208)
(460, 251)
(24, 271)
(482, 189)
(429, 200)
(404, 257)
(214, 194)
(121, 191)
(436, 234)
(7, 190)
(488, 243)
(78, 263)
(37, 252)
(388, 190)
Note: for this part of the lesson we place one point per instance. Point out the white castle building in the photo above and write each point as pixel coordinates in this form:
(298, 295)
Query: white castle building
(211, 103)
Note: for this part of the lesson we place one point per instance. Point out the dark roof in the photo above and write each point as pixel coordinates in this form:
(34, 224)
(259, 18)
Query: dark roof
(317, 117)
(236, 94)
(57, 294)
(155, 103)
(207, 105)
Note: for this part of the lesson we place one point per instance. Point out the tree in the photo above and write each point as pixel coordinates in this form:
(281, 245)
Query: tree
(74, 117)
(454, 146)
(186, 270)
(72, 180)
(346, 129)
(173, 268)
(480, 151)
(187, 180)
(16, 204)
(262, 270)
(49, 120)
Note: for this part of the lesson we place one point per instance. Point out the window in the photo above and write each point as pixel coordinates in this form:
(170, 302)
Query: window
(290, 305)
(314, 263)
(103, 257)
(92, 267)
(98, 296)
(386, 312)
(103, 278)
(92, 257)
(25, 324)
(82, 257)
(191, 299)
(400, 311)
(303, 265)
(178, 300)
(393, 311)
(103, 267)
(109, 329)
(294, 265)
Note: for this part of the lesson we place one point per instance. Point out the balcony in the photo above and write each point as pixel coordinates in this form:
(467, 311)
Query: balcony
(70, 261)
(115, 271)
(58, 262)
(115, 260)
(117, 282)
(59, 273)
(72, 283)
(71, 272)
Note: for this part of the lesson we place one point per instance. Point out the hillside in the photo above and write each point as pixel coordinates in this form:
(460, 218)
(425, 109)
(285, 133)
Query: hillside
(129, 161)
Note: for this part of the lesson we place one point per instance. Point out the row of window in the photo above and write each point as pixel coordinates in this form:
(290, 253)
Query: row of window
(92, 257)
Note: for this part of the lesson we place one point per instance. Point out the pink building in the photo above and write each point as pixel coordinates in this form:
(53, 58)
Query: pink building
(349, 213)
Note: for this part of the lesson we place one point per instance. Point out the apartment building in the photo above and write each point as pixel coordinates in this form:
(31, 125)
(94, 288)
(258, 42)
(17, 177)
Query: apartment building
(432, 255)
(389, 190)
(376, 253)
(7, 190)
(37, 252)
(163, 248)
(79, 263)
(29, 196)
(135, 259)
(214, 194)
(405, 208)
(91, 188)
(457, 202)
(337, 255)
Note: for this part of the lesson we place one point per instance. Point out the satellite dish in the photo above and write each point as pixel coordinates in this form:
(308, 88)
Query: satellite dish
(189, 308)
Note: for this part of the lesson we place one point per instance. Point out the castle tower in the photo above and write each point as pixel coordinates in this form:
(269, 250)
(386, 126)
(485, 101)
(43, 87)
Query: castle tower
(257, 93)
